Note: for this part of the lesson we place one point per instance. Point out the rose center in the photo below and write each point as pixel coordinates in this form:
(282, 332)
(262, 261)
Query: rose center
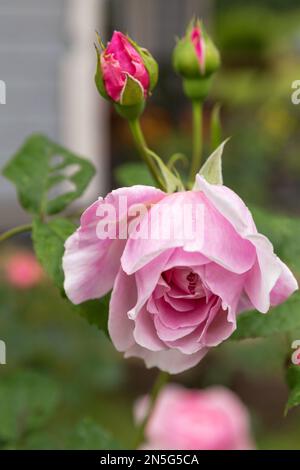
(192, 279)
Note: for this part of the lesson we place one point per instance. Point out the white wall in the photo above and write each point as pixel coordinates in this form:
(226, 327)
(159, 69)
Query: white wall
(84, 123)
(47, 61)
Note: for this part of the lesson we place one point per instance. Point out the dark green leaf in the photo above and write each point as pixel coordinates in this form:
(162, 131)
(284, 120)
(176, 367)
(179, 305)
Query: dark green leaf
(281, 319)
(293, 380)
(27, 401)
(48, 240)
(95, 312)
(89, 435)
(35, 171)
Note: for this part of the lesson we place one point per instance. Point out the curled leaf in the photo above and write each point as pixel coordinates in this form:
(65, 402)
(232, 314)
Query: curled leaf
(169, 181)
(175, 158)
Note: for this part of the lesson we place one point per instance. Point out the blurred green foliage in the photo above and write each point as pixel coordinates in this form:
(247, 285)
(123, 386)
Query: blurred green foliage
(62, 377)
(27, 401)
(293, 379)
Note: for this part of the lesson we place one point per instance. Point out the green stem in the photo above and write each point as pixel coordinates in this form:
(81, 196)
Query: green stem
(159, 383)
(15, 231)
(197, 139)
(143, 149)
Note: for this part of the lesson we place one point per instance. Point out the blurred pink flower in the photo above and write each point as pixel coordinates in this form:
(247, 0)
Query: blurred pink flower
(182, 419)
(22, 270)
(119, 60)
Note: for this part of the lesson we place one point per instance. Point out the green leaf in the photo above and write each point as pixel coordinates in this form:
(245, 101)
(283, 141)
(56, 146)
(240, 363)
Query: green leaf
(95, 312)
(132, 93)
(89, 435)
(170, 182)
(280, 319)
(27, 401)
(293, 381)
(48, 240)
(151, 66)
(98, 75)
(130, 174)
(35, 172)
(212, 168)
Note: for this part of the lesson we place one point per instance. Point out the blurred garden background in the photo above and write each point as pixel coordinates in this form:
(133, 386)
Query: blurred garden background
(64, 385)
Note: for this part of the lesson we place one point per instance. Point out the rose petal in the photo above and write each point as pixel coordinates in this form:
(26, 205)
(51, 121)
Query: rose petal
(145, 333)
(91, 264)
(168, 334)
(172, 319)
(119, 326)
(216, 239)
(284, 287)
(226, 285)
(148, 277)
(171, 360)
(264, 275)
(267, 267)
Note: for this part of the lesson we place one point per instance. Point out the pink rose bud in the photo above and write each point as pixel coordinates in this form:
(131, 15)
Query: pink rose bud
(126, 73)
(199, 45)
(174, 296)
(182, 419)
(23, 271)
(196, 58)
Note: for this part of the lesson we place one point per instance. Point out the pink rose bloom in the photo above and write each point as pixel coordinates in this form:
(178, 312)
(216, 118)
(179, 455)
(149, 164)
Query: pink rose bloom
(174, 298)
(119, 60)
(23, 271)
(182, 419)
(199, 45)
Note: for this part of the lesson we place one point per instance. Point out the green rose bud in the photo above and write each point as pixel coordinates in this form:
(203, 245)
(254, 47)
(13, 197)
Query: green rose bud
(196, 58)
